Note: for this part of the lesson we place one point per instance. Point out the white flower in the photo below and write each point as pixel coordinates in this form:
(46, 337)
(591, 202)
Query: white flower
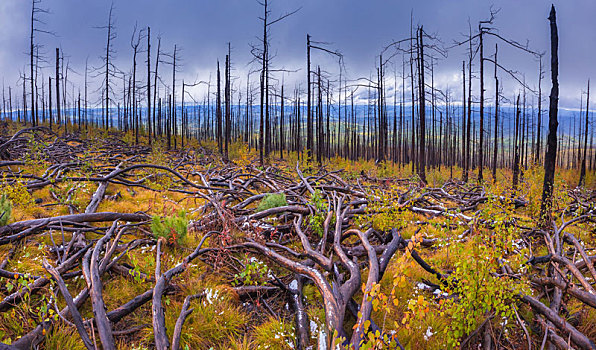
(429, 333)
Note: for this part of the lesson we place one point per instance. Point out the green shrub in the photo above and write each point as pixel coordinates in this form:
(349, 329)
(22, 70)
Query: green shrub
(317, 219)
(255, 272)
(172, 228)
(272, 200)
(5, 210)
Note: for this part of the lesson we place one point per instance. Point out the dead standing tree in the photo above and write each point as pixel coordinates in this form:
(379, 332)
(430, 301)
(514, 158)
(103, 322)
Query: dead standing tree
(150, 127)
(262, 55)
(316, 45)
(34, 55)
(228, 97)
(109, 68)
(420, 46)
(550, 158)
(422, 107)
(135, 42)
(485, 28)
(582, 175)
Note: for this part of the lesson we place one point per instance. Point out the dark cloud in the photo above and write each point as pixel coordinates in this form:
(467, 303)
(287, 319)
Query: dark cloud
(359, 29)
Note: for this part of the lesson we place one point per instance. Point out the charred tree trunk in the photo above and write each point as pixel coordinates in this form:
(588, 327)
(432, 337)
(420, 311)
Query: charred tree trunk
(469, 110)
(309, 126)
(107, 73)
(32, 46)
(464, 154)
(422, 108)
(149, 126)
(539, 127)
(582, 175)
(481, 128)
(319, 118)
(281, 126)
(156, 132)
(551, 151)
(495, 145)
(263, 82)
(218, 112)
(58, 117)
(516, 146)
(173, 118)
(50, 102)
(413, 114)
(228, 128)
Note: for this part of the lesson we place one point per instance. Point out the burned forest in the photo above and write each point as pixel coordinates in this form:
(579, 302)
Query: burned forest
(165, 184)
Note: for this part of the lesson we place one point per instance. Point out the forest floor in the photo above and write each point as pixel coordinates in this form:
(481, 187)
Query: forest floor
(281, 256)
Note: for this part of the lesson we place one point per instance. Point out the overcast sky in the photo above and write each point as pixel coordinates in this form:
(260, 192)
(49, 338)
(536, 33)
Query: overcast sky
(358, 29)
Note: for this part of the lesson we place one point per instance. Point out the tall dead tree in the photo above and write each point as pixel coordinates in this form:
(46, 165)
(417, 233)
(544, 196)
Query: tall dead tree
(134, 44)
(550, 158)
(539, 118)
(263, 81)
(516, 145)
(156, 126)
(469, 121)
(582, 175)
(34, 57)
(111, 36)
(58, 117)
(481, 146)
(174, 120)
(422, 108)
(228, 97)
(86, 72)
(149, 84)
(309, 131)
(496, 145)
(412, 89)
(34, 10)
(262, 55)
(218, 112)
(50, 101)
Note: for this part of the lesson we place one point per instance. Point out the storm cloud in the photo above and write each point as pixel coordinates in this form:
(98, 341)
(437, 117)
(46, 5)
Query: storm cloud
(358, 29)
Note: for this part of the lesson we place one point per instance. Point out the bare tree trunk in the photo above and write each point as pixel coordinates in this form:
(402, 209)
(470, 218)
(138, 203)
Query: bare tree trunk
(228, 98)
(173, 118)
(413, 148)
(281, 126)
(319, 118)
(422, 143)
(496, 144)
(539, 127)
(33, 3)
(218, 112)
(149, 84)
(50, 102)
(86, 121)
(10, 101)
(156, 132)
(582, 176)
(464, 154)
(58, 118)
(107, 77)
(135, 46)
(551, 151)
(309, 131)
(481, 146)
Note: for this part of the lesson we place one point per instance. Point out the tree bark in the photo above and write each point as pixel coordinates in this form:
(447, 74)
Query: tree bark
(551, 151)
